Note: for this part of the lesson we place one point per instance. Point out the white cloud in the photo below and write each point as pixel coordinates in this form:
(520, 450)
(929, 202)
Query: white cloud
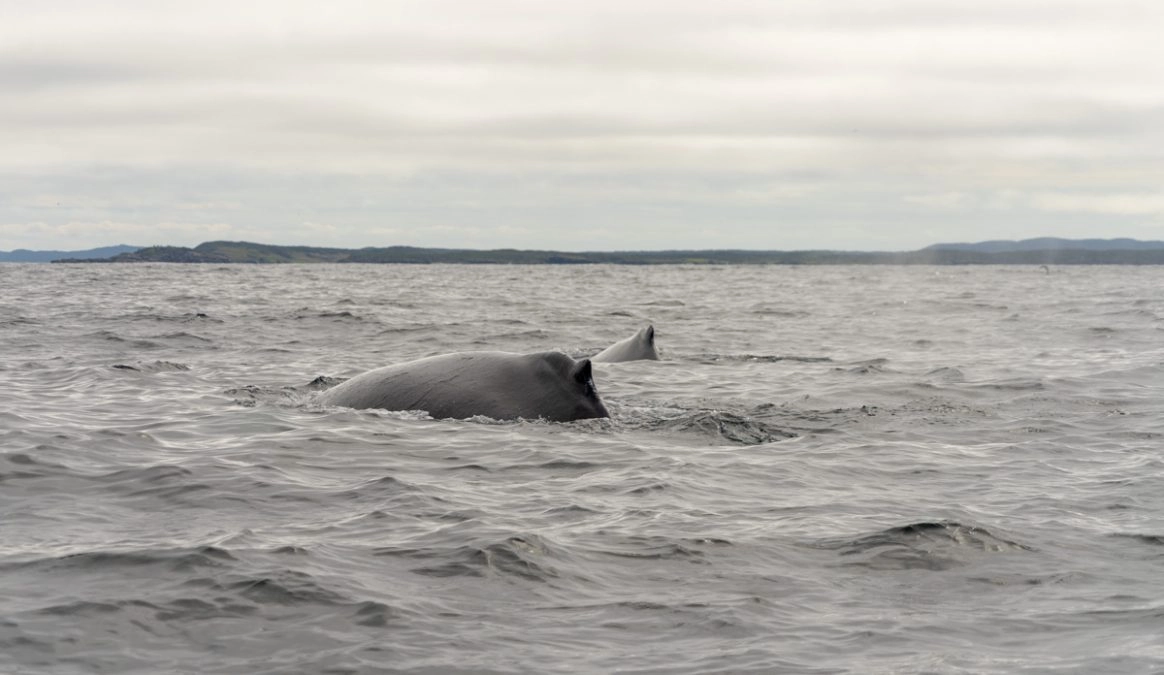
(941, 200)
(90, 234)
(1129, 204)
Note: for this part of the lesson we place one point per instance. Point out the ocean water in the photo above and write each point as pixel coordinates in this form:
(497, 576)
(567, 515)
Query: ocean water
(832, 470)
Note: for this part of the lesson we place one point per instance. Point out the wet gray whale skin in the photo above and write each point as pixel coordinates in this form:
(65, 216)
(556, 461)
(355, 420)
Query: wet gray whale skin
(501, 385)
(638, 347)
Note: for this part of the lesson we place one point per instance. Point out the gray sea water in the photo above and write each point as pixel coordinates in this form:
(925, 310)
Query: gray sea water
(832, 470)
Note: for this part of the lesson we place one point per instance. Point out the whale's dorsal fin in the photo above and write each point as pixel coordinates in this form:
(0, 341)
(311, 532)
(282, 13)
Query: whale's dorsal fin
(583, 371)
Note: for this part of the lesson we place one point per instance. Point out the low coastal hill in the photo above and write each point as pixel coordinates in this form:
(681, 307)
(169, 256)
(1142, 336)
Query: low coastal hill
(1044, 251)
(25, 255)
(1051, 244)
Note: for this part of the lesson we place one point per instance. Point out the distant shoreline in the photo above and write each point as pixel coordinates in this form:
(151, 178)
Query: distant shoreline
(1045, 251)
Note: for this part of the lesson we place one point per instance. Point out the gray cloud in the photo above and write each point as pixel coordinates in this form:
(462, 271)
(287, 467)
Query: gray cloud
(756, 124)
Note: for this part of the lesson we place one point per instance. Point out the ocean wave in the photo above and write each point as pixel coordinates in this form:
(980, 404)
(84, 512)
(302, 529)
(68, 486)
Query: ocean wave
(757, 358)
(525, 556)
(153, 367)
(131, 342)
(171, 559)
(719, 425)
(931, 545)
(340, 316)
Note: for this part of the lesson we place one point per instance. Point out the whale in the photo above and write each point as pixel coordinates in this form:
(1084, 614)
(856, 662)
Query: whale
(638, 347)
(501, 385)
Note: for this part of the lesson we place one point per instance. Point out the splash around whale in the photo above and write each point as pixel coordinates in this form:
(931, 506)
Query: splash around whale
(501, 385)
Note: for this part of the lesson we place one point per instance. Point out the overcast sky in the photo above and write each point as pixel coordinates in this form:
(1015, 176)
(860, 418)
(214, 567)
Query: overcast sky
(595, 125)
